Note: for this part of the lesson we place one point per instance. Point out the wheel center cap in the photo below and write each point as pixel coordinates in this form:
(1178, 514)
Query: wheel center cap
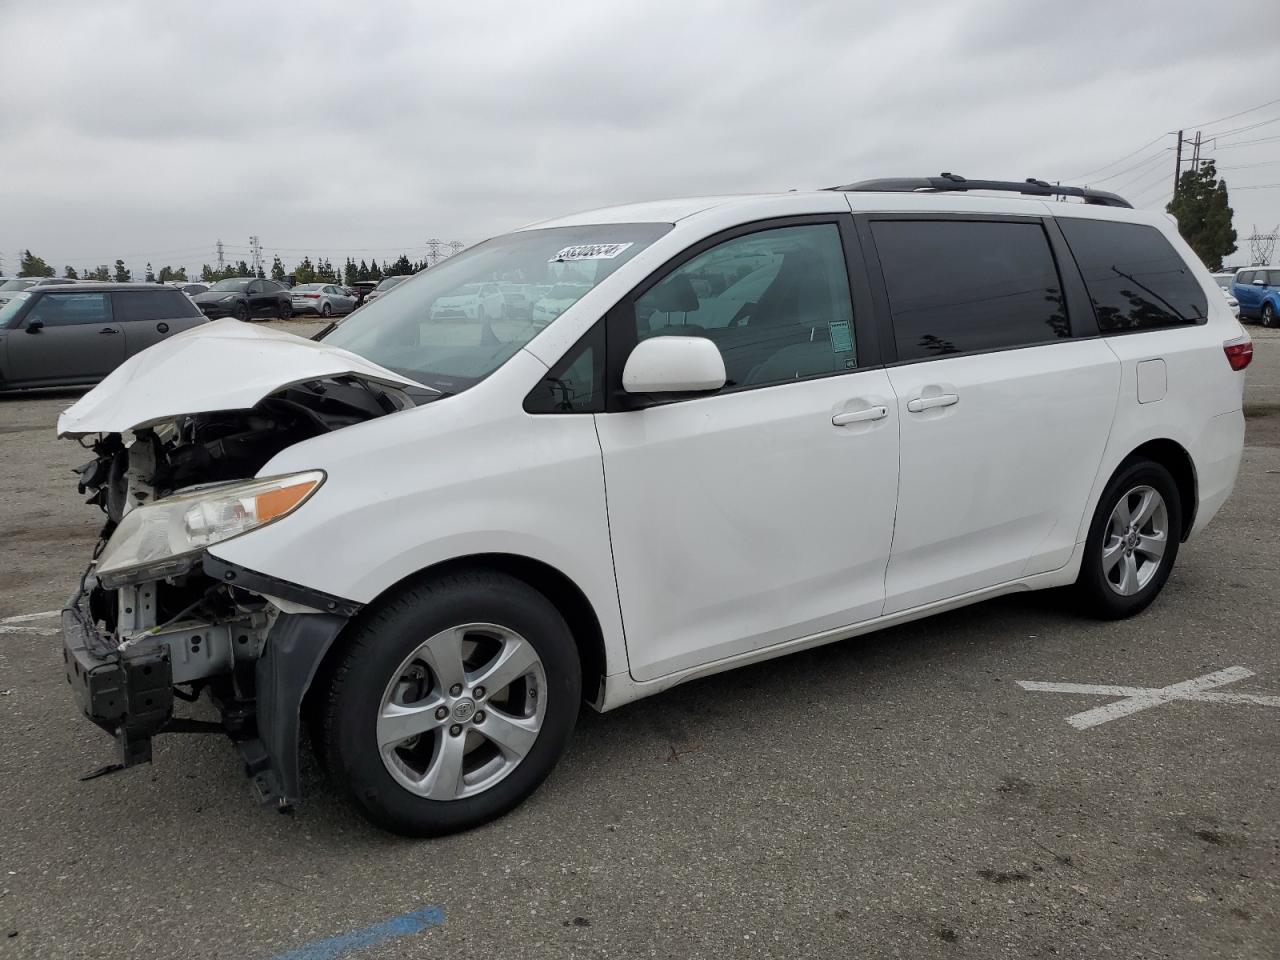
(464, 710)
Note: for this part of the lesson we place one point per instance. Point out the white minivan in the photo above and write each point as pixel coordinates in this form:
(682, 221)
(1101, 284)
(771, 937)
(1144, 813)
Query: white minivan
(761, 423)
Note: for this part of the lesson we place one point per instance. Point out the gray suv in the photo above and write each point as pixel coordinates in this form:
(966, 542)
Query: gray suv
(58, 336)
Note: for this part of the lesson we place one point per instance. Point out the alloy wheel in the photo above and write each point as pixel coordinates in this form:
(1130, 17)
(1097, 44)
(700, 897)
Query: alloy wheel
(1135, 541)
(462, 711)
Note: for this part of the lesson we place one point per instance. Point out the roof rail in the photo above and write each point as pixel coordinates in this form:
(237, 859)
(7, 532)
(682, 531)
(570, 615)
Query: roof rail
(950, 182)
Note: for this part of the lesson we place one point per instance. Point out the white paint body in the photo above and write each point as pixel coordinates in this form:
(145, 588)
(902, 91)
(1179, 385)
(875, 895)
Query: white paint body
(724, 529)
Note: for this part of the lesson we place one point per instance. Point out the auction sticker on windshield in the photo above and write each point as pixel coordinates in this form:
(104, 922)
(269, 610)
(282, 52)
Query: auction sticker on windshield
(590, 251)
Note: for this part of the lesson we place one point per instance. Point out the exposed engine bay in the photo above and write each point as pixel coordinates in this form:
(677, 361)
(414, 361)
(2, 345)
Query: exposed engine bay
(139, 638)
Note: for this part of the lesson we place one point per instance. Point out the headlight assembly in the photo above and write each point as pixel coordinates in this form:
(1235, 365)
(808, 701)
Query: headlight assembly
(166, 537)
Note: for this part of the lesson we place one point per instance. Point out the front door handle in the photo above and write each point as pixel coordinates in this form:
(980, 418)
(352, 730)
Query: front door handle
(921, 404)
(111, 330)
(860, 416)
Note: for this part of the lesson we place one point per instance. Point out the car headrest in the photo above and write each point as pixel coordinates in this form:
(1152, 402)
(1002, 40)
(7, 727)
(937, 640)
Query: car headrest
(675, 294)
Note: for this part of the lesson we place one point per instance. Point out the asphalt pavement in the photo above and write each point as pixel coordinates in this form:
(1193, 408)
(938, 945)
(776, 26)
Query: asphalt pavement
(899, 795)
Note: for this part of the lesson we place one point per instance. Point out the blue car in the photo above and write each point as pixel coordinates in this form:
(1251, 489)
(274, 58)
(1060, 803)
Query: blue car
(1258, 291)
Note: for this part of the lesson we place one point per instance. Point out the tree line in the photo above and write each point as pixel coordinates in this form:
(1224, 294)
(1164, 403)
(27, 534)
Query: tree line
(320, 270)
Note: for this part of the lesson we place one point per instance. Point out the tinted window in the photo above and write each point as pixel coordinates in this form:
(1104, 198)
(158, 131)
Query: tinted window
(1245, 276)
(1135, 278)
(151, 305)
(576, 383)
(957, 286)
(776, 303)
(69, 309)
(1273, 278)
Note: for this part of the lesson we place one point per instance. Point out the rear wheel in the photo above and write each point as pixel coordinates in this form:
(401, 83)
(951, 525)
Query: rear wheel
(326, 311)
(1132, 542)
(284, 310)
(451, 703)
(1268, 315)
(242, 312)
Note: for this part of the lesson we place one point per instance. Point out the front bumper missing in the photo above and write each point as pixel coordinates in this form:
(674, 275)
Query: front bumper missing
(128, 694)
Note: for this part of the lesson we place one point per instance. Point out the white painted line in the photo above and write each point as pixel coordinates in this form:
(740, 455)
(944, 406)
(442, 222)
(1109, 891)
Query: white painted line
(23, 618)
(1137, 699)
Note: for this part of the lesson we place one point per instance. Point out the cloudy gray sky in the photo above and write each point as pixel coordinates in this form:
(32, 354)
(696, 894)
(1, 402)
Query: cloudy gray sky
(148, 130)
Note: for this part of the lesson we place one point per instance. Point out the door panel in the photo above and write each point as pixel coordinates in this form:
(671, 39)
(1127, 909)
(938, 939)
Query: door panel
(78, 341)
(749, 519)
(994, 483)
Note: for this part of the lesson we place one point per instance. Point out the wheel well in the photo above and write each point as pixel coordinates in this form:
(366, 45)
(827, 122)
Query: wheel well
(547, 580)
(1171, 455)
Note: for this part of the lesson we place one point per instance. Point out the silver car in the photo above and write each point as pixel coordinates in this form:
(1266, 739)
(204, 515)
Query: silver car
(60, 336)
(325, 299)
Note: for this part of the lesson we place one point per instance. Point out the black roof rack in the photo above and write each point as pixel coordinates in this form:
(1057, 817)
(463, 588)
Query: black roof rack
(950, 182)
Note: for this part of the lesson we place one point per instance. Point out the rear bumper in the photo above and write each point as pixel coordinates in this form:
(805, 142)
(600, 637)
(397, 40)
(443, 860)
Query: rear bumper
(1217, 457)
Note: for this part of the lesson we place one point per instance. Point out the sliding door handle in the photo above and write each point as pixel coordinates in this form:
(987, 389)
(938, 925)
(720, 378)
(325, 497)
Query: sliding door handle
(860, 416)
(921, 404)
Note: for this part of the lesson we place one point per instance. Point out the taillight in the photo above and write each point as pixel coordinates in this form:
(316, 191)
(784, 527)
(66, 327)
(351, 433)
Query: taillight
(1239, 352)
(312, 296)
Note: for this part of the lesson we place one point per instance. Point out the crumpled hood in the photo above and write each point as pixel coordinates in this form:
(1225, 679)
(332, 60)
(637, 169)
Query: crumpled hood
(225, 365)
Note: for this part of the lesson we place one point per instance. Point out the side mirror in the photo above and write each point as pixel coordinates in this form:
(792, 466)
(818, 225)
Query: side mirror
(35, 326)
(674, 365)
(1259, 283)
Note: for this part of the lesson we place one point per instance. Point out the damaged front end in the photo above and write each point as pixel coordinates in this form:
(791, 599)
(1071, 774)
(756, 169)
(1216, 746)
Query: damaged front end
(156, 617)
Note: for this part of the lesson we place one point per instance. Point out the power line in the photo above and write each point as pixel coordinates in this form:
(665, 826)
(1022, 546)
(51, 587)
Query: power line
(1245, 143)
(1232, 116)
(1121, 160)
(1147, 162)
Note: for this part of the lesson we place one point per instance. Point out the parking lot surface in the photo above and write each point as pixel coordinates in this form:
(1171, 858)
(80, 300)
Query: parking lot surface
(903, 794)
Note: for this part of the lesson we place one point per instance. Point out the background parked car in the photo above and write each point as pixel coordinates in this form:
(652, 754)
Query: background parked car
(1224, 282)
(383, 286)
(244, 298)
(26, 283)
(190, 287)
(54, 335)
(325, 299)
(1258, 290)
(363, 289)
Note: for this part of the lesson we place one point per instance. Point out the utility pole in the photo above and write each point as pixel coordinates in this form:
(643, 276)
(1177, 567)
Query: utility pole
(1195, 154)
(1177, 166)
(255, 251)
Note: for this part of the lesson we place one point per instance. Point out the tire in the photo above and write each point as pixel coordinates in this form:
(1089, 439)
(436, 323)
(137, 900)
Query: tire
(397, 659)
(1268, 315)
(326, 311)
(1105, 586)
(284, 310)
(242, 312)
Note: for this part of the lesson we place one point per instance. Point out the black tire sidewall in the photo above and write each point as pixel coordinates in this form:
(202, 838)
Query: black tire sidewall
(243, 313)
(1101, 598)
(1268, 315)
(326, 311)
(381, 644)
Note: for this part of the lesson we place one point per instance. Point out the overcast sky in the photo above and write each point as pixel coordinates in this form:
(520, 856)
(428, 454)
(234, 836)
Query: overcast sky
(148, 130)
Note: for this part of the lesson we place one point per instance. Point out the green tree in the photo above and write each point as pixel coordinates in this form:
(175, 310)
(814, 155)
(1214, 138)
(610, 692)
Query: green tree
(123, 274)
(33, 266)
(242, 270)
(277, 269)
(362, 272)
(349, 272)
(71, 273)
(1203, 214)
(151, 274)
(402, 266)
(206, 273)
(375, 272)
(100, 272)
(304, 272)
(167, 274)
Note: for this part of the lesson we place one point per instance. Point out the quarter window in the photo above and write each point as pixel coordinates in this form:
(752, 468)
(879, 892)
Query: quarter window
(776, 303)
(1135, 278)
(70, 309)
(959, 286)
(576, 383)
(1245, 277)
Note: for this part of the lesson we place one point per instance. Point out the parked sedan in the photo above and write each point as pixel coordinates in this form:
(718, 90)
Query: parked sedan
(244, 298)
(190, 287)
(26, 283)
(325, 299)
(387, 283)
(55, 336)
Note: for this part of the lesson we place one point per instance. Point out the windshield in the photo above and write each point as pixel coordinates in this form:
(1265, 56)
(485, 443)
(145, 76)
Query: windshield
(18, 283)
(234, 285)
(9, 307)
(425, 332)
(390, 282)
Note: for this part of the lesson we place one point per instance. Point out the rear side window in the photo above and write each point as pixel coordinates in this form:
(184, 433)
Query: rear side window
(152, 305)
(1135, 278)
(1245, 277)
(960, 286)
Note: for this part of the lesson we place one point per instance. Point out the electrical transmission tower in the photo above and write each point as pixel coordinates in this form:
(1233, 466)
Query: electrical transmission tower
(433, 250)
(255, 251)
(222, 260)
(1262, 246)
(455, 246)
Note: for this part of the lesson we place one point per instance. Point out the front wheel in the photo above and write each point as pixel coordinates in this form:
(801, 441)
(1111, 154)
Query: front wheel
(242, 312)
(1132, 542)
(284, 310)
(1268, 315)
(451, 703)
(326, 311)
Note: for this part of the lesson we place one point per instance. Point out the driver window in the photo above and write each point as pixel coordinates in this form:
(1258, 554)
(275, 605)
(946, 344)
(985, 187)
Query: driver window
(775, 302)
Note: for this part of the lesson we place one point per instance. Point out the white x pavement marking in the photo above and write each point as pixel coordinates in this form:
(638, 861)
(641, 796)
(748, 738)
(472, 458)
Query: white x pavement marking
(1136, 699)
(18, 624)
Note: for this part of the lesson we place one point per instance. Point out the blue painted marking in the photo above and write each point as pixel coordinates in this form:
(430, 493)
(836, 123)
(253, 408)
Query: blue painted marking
(400, 926)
